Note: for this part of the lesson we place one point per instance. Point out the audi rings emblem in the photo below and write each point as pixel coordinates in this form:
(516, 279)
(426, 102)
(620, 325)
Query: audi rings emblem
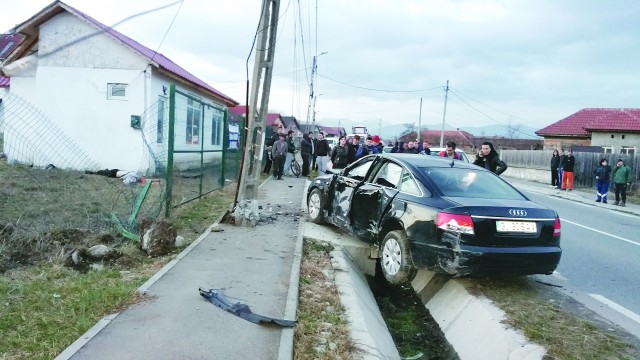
(517, 212)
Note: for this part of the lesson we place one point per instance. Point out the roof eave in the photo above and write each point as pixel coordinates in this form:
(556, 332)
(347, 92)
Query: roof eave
(229, 102)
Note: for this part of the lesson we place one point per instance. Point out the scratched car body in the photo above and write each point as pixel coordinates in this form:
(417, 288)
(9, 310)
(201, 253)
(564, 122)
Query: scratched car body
(426, 212)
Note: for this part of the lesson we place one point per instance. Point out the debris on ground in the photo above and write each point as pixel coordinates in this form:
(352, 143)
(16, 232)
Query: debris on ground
(218, 299)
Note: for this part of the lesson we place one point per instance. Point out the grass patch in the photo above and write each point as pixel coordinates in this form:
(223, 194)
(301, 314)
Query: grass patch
(322, 331)
(45, 308)
(413, 329)
(546, 320)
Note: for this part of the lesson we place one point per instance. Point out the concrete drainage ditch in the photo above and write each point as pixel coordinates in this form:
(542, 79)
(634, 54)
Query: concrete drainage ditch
(471, 324)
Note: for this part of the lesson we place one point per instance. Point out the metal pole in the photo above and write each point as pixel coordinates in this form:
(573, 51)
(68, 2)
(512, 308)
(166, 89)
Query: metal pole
(444, 115)
(265, 50)
(170, 149)
(420, 122)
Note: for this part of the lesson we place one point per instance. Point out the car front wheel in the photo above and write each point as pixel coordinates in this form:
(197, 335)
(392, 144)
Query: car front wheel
(314, 206)
(395, 261)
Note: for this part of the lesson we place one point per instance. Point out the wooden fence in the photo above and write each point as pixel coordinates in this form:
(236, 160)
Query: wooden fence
(585, 163)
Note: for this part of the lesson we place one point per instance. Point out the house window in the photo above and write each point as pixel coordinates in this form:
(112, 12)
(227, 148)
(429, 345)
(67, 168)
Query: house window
(161, 104)
(629, 150)
(217, 121)
(612, 136)
(608, 149)
(116, 91)
(623, 137)
(193, 122)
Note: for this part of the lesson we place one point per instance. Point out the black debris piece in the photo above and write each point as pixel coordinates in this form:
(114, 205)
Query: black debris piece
(242, 310)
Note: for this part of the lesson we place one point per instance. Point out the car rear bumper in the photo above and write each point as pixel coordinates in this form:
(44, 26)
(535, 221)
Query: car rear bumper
(476, 260)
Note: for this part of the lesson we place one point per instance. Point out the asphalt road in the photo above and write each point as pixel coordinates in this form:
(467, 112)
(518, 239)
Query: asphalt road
(600, 264)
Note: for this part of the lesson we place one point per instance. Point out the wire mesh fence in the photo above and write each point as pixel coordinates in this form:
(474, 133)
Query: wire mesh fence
(50, 185)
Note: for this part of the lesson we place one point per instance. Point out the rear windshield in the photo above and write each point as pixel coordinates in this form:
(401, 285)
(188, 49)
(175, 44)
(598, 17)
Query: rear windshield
(470, 183)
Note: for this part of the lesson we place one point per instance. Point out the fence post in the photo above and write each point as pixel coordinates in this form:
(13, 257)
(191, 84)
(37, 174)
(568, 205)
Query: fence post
(170, 145)
(201, 151)
(225, 146)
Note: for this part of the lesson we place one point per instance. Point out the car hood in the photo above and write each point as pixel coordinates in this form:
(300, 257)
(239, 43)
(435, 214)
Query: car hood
(502, 207)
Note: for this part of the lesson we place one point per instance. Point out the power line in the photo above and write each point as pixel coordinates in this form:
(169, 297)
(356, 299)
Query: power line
(165, 34)
(98, 32)
(489, 117)
(378, 90)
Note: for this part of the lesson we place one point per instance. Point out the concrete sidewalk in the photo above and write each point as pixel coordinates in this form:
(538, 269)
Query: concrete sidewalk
(255, 266)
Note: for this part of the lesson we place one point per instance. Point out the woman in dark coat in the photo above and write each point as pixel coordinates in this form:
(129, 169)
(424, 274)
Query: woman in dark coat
(339, 154)
(555, 162)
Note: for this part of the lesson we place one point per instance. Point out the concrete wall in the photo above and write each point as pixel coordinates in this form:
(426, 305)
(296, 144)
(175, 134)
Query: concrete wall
(76, 64)
(617, 142)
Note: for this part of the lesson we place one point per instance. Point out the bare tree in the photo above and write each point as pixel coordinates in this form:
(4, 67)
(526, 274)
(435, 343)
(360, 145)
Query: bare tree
(408, 129)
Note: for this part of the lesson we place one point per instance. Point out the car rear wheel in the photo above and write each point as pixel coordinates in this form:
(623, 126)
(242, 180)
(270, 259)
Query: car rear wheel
(314, 206)
(395, 261)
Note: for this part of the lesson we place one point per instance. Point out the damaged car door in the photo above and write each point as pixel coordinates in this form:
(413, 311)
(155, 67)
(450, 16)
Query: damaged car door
(343, 190)
(371, 199)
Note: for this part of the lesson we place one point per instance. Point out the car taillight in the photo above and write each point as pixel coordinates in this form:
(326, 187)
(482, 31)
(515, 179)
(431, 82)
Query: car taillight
(457, 223)
(556, 227)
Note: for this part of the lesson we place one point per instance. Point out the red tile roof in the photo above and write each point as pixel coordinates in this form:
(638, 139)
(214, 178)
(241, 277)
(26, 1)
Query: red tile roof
(8, 43)
(332, 130)
(241, 110)
(585, 121)
(155, 58)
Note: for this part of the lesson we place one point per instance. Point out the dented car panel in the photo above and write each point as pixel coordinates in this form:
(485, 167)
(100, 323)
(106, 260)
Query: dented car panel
(459, 218)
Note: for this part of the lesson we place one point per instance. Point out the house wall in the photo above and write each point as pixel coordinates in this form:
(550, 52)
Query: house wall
(71, 88)
(551, 143)
(604, 139)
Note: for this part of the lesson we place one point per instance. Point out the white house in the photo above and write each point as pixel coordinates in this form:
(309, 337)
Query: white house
(94, 84)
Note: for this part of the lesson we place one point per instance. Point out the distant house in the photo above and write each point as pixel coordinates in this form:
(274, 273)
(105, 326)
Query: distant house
(332, 131)
(305, 129)
(463, 139)
(614, 130)
(92, 83)
(275, 123)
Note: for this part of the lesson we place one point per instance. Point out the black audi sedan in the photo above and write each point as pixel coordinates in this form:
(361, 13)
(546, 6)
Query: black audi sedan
(447, 216)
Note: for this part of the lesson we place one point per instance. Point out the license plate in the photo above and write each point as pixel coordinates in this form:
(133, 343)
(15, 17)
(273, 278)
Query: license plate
(516, 226)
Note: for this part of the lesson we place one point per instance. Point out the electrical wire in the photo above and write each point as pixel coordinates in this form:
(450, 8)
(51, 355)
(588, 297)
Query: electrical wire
(379, 90)
(511, 128)
(98, 32)
(165, 33)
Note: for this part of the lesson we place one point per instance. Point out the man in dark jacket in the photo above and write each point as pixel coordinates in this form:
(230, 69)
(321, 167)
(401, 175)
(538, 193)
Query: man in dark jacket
(621, 179)
(305, 151)
(268, 157)
(488, 159)
(567, 171)
(366, 148)
(322, 153)
(563, 157)
(353, 148)
(602, 173)
(291, 152)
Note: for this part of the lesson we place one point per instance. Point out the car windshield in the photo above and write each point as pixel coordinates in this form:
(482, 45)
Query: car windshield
(470, 183)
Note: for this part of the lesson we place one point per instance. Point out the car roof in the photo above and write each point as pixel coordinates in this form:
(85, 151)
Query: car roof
(418, 161)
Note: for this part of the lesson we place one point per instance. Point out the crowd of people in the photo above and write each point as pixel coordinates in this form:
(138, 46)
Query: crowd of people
(316, 153)
(562, 176)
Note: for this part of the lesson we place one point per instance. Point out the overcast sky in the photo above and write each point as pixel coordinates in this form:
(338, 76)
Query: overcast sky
(528, 62)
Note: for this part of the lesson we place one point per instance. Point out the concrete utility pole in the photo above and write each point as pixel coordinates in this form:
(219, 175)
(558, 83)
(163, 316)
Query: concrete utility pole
(420, 122)
(311, 111)
(255, 122)
(444, 115)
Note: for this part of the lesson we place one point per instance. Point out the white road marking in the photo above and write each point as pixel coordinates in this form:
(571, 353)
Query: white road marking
(601, 232)
(591, 206)
(619, 308)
